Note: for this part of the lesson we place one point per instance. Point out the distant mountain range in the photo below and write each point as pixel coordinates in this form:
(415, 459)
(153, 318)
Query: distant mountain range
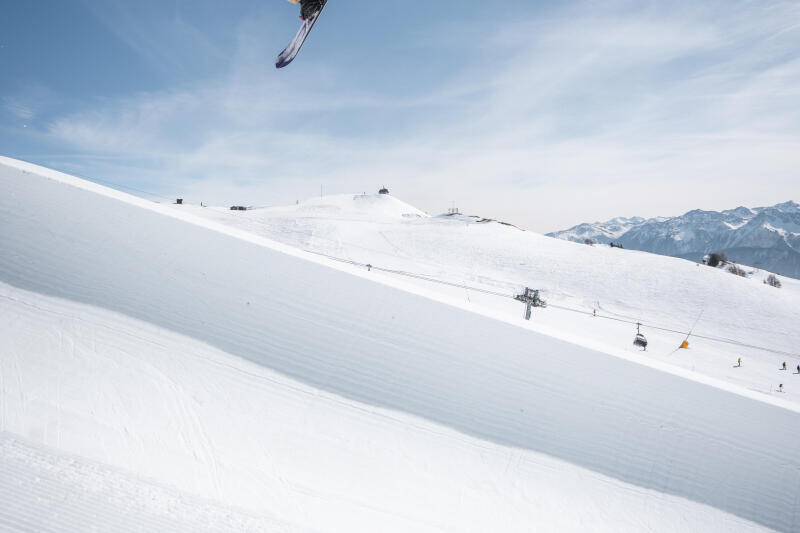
(764, 237)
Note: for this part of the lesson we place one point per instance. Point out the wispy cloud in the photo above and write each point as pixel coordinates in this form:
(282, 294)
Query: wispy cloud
(589, 112)
(17, 108)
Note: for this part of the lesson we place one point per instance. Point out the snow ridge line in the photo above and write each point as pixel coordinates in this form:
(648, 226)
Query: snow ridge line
(313, 257)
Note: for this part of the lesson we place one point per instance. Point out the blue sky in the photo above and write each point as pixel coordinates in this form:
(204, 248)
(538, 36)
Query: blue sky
(545, 114)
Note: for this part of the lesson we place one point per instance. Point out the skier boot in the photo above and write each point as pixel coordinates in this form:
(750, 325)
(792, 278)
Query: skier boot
(308, 8)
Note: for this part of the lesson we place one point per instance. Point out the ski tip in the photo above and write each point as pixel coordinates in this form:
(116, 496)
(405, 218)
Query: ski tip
(285, 57)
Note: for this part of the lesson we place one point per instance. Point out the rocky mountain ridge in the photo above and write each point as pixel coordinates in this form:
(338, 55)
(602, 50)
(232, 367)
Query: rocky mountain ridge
(764, 237)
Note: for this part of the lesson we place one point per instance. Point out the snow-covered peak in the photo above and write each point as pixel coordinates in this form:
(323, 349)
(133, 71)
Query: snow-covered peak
(740, 211)
(765, 236)
(626, 221)
(599, 232)
(368, 206)
(360, 206)
(786, 207)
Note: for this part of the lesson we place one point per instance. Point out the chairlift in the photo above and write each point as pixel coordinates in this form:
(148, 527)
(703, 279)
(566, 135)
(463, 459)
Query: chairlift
(639, 339)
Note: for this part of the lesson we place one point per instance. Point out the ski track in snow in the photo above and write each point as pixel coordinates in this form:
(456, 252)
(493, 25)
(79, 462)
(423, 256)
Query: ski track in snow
(244, 407)
(47, 491)
(379, 369)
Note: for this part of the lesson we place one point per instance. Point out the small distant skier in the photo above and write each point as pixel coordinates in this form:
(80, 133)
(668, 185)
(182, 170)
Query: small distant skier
(798, 369)
(739, 362)
(308, 7)
(784, 366)
(780, 387)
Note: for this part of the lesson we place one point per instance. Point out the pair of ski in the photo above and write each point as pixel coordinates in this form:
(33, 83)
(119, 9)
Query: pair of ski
(291, 51)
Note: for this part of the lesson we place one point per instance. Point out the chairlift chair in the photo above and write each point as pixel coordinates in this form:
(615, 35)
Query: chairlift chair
(640, 340)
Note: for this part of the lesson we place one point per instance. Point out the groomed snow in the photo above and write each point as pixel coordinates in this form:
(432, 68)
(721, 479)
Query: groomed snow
(620, 284)
(245, 445)
(46, 490)
(179, 353)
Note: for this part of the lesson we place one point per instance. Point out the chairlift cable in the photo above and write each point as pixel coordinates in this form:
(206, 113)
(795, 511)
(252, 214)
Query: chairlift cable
(564, 308)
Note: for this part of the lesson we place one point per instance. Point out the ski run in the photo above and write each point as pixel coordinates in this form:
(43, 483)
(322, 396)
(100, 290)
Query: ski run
(188, 368)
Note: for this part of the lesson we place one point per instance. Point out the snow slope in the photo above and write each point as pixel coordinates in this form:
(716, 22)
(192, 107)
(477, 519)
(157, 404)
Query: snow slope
(176, 352)
(619, 284)
(257, 445)
(45, 490)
